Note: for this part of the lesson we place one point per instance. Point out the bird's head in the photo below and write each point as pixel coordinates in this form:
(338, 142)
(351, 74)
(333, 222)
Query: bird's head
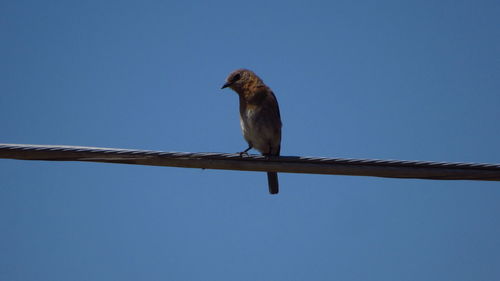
(240, 79)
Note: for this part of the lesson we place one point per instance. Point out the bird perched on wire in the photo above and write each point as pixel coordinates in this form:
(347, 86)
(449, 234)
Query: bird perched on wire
(259, 117)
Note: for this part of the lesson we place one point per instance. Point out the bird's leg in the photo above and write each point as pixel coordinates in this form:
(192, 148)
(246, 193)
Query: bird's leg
(268, 155)
(245, 152)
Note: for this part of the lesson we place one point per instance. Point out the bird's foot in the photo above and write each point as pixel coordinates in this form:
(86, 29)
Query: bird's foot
(269, 156)
(245, 152)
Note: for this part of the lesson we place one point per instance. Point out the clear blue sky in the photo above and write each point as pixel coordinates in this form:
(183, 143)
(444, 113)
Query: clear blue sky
(414, 80)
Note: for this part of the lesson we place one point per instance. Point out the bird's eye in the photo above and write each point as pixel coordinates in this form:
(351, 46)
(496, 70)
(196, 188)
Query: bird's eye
(236, 77)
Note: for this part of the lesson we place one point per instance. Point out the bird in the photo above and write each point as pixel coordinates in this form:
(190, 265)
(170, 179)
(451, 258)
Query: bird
(260, 118)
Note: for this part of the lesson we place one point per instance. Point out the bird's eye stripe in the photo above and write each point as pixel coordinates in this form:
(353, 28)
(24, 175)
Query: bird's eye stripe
(236, 77)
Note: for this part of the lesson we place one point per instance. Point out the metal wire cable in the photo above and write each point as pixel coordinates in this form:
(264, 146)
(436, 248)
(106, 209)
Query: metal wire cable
(233, 161)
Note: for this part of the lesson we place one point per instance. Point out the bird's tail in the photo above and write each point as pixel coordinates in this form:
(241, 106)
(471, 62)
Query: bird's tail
(272, 180)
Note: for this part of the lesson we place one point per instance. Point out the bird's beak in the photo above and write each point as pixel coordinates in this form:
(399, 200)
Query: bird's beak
(227, 84)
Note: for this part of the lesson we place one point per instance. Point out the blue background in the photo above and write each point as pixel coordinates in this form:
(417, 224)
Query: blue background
(414, 80)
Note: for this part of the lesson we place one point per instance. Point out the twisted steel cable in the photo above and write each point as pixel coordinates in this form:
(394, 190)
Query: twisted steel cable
(233, 161)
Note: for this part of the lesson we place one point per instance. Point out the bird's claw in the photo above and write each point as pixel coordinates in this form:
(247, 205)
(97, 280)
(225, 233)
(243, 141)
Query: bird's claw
(244, 153)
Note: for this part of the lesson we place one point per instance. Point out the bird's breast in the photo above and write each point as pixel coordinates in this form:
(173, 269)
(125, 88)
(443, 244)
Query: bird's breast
(248, 123)
(256, 131)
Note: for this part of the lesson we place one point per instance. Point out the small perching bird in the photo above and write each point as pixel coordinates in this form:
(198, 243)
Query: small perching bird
(259, 117)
